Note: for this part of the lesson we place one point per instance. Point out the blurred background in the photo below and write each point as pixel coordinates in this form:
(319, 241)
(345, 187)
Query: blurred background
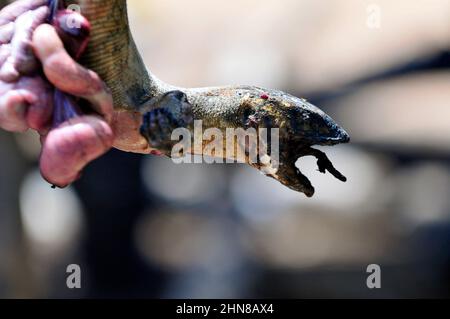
(145, 227)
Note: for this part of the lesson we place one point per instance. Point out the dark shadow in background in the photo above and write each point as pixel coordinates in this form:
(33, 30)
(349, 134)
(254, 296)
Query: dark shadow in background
(113, 197)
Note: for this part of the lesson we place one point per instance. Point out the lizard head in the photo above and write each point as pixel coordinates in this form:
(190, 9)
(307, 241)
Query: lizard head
(301, 125)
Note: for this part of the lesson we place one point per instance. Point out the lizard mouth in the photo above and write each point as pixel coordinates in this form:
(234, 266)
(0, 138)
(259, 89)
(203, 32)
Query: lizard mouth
(337, 136)
(290, 151)
(326, 133)
(290, 175)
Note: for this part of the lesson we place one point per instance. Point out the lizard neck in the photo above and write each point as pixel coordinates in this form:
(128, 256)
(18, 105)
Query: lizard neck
(113, 54)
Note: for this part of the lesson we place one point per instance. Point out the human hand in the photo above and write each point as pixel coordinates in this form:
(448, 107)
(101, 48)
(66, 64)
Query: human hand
(70, 138)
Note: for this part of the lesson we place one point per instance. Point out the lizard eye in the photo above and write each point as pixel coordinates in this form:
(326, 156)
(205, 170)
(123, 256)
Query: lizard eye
(178, 95)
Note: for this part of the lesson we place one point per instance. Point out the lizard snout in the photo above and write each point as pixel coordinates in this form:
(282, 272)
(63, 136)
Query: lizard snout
(323, 130)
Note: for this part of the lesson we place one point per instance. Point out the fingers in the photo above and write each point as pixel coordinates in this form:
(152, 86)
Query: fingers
(39, 113)
(12, 11)
(69, 148)
(25, 104)
(13, 106)
(6, 33)
(24, 101)
(21, 60)
(5, 52)
(69, 76)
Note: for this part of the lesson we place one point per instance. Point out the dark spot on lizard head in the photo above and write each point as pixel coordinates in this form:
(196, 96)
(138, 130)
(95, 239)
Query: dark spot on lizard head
(178, 95)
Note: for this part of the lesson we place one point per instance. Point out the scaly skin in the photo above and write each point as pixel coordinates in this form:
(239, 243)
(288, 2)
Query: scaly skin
(113, 55)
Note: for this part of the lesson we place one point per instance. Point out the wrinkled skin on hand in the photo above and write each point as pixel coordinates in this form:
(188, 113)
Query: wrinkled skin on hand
(33, 62)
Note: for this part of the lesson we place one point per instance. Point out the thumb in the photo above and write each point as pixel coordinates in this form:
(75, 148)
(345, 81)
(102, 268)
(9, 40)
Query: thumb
(67, 149)
(69, 76)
